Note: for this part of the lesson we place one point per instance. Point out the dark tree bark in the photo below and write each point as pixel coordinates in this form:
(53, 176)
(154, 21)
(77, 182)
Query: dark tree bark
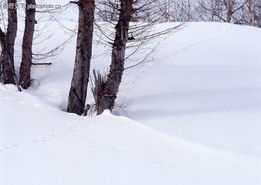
(25, 68)
(11, 30)
(106, 99)
(7, 60)
(7, 72)
(80, 80)
(4, 54)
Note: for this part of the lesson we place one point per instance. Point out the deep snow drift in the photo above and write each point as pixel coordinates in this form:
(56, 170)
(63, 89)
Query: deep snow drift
(192, 116)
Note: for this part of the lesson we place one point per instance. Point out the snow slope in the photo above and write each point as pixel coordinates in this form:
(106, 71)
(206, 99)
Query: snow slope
(209, 86)
(193, 117)
(61, 149)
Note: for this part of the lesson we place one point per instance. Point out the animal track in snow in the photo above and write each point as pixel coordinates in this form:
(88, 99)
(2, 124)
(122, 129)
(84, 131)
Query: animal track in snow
(22, 102)
(8, 98)
(40, 139)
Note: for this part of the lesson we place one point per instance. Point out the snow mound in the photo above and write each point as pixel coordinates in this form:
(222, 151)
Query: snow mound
(193, 118)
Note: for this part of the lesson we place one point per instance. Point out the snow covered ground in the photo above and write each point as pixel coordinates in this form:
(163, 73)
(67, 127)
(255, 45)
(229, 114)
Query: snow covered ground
(192, 117)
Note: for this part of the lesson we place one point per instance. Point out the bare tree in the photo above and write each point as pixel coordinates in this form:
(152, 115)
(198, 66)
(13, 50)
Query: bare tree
(106, 10)
(8, 41)
(223, 10)
(145, 10)
(167, 10)
(251, 13)
(108, 95)
(181, 10)
(25, 68)
(79, 84)
(229, 5)
(257, 10)
(128, 39)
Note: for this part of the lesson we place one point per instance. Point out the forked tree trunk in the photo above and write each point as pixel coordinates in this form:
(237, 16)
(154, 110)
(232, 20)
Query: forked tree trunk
(107, 97)
(25, 68)
(7, 65)
(79, 84)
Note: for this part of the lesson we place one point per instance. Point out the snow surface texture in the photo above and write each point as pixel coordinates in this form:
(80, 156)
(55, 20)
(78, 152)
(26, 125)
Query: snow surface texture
(192, 118)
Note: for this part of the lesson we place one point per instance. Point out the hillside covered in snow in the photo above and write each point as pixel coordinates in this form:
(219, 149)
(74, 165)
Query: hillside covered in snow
(189, 116)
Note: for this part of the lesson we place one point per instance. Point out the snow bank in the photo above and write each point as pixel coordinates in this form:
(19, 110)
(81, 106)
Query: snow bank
(193, 118)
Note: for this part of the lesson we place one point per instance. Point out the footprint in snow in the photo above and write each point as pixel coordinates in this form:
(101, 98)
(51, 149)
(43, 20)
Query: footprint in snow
(37, 105)
(15, 146)
(8, 98)
(42, 139)
(22, 102)
(51, 109)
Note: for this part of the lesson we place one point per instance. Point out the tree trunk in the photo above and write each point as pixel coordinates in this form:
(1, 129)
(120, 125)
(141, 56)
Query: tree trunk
(25, 68)
(251, 14)
(167, 10)
(4, 56)
(229, 7)
(8, 70)
(109, 94)
(79, 84)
